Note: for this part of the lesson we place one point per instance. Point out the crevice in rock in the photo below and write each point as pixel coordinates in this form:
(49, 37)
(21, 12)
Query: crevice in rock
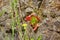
(55, 31)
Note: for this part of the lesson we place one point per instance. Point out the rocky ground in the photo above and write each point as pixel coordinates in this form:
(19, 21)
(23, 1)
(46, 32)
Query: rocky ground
(49, 9)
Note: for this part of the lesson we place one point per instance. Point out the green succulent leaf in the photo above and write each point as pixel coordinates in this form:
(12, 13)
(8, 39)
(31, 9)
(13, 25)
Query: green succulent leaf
(33, 20)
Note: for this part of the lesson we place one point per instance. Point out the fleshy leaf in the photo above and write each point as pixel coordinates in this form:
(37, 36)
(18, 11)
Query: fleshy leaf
(33, 20)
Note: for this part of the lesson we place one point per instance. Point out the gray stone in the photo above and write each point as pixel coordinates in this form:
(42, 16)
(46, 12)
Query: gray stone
(28, 9)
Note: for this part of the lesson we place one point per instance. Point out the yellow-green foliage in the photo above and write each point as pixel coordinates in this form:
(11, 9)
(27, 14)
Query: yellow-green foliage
(2, 12)
(13, 6)
(32, 39)
(26, 37)
(40, 37)
(24, 25)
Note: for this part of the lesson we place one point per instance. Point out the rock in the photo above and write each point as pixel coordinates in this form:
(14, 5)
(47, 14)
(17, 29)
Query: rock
(52, 7)
(56, 36)
(8, 23)
(29, 9)
(57, 24)
(4, 17)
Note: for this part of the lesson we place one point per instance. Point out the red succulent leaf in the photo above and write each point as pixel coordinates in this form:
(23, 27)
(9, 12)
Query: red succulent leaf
(28, 18)
(38, 18)
(35, 28)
